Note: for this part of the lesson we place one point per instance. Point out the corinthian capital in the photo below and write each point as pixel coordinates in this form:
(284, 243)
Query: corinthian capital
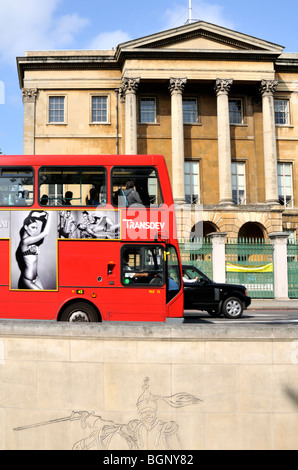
(268, 87)
(29, 95)
(223, 85)
(129, 85)
(177, 84)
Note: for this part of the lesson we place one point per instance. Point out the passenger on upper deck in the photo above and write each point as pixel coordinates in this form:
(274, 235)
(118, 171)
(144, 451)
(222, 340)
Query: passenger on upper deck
(132, 196)
(93, 201)
(44, 200)
(68, 198)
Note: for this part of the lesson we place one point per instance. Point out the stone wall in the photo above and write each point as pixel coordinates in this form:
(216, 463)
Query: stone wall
(195, 387)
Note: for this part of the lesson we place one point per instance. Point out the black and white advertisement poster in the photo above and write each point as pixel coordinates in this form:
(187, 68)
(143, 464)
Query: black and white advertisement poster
(33, 241)
(33, 245)
(97, 224)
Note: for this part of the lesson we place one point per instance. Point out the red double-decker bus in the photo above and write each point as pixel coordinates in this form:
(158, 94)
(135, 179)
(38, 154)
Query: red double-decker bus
(88, 238)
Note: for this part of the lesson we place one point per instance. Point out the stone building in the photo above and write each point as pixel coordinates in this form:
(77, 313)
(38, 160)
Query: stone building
(221, 106)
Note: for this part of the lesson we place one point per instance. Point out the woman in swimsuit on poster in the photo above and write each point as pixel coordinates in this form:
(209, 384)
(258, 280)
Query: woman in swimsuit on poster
(35, 229)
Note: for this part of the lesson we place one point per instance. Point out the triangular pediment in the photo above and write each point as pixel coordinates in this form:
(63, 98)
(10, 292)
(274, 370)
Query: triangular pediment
(201, 36)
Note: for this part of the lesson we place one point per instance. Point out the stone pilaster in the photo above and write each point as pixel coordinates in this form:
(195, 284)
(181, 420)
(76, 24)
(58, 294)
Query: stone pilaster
(267, 89)
(128, 91)
(280, 265)
(176, 88)
(218, 256)
(222, 88)
(29, 96)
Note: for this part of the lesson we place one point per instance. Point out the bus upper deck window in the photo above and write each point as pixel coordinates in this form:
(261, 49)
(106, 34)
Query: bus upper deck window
(72, 186)
(16, 186)
(136, 186)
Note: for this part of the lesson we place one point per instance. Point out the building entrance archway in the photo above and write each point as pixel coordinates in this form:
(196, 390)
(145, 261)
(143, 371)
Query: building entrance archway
(252, 231)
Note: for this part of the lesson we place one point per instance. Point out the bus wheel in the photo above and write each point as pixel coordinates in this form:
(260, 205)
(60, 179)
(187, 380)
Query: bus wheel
(79, 312)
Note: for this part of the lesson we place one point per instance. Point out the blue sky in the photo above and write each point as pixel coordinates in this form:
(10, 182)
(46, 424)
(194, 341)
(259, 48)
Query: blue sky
(102, 24)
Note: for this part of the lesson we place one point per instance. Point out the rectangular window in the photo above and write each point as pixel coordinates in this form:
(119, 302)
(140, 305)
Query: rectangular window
(285, 184)
(190, 110)
(143, 265)
(191, 176)
(136, 186)
(238, 182)
(148, 110)
(16, 186)
(99, 111)
(72, 186)
(235, 111)
(281, 108)
(56, 109)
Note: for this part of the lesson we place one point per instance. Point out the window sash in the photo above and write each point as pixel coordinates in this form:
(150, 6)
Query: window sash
(99, 109)
(190, 110)
(148, 110)
(56, 109)
(281, 109)
(235, 111)
(238, 182)
(285, 184)
(191, 178)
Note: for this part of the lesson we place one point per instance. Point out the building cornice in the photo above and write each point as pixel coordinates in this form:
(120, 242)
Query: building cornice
(216, 54)
(64, 62)
(81, 62)
(287, 63)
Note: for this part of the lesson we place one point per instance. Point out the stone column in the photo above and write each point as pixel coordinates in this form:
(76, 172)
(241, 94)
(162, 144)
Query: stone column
(218, 256)
(222, 88)
(29, 99)
(128, 90)
(270, 155)
(280, 264)
(176, 88)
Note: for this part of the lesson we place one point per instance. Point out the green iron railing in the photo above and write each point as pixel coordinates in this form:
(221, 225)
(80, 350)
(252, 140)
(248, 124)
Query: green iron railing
(293, 269)
(250, 262)
(197, 252)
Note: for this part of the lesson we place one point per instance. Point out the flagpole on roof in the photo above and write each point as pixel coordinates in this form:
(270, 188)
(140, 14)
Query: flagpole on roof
(190, 19)
(189, 11)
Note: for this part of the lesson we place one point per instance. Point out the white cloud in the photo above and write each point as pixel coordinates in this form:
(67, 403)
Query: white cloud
(201, 10)
(35, 24)
(109, 40)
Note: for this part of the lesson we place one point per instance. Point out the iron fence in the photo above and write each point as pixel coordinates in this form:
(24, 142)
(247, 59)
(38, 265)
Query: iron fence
(250, 262)
(197, 252)
(293, 269)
